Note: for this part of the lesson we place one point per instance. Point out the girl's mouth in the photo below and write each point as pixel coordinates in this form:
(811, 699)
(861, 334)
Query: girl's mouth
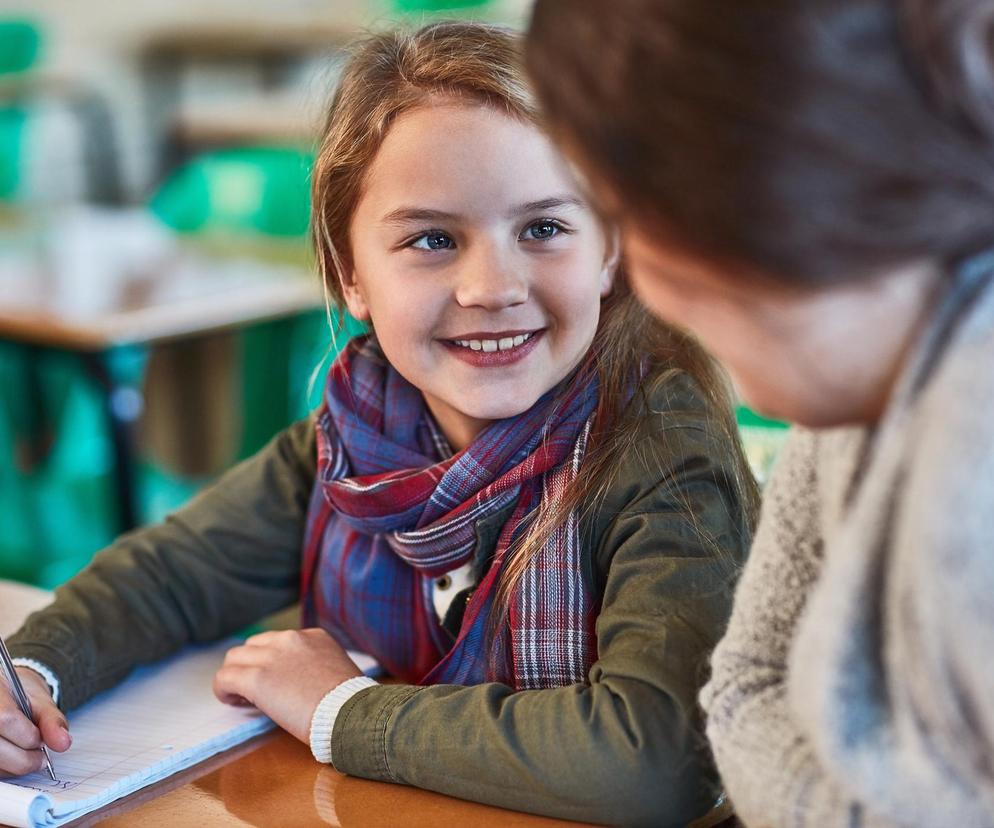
(493, 350)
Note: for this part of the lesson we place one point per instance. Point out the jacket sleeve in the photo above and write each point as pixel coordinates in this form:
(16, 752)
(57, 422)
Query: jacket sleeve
(627, 748)
(229, 557)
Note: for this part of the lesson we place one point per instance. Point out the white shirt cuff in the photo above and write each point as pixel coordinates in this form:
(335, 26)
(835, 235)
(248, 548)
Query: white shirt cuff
(43, 671)
(323, 722)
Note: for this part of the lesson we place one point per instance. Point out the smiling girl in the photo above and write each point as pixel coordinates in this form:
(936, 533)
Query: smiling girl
(520, 494)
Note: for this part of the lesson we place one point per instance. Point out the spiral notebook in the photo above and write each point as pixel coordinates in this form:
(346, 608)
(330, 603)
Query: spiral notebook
(163, 719)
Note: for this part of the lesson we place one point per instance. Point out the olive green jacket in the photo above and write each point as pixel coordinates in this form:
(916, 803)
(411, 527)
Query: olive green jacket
(665, 545)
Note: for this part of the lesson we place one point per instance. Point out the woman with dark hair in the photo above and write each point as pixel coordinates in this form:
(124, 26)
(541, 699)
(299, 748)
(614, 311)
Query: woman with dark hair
(808, 185)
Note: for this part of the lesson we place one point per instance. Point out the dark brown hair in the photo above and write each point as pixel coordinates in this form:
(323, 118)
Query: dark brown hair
(392, 72)
(813, 140)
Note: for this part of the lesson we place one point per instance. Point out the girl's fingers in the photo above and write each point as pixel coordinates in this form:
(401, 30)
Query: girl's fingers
(263, 638)
(233, 684)
(54, 727)
(15, 761)
(17, 728)
(50, 720)
(245, 656)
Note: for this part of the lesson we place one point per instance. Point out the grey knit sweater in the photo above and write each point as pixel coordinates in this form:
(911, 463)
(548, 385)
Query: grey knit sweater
(855, 684)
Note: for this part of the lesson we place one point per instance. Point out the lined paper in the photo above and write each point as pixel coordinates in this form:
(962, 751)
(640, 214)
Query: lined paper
(160, 721)
(163, 719)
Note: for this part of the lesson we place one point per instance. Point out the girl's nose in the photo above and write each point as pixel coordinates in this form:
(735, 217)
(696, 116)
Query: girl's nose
(491, 281)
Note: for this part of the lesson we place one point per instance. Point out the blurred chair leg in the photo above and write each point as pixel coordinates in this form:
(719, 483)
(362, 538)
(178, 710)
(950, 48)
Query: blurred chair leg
(122, 405)
(37, 436)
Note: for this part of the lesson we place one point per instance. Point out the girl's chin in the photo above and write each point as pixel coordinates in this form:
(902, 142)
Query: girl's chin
(494, 404)
(494, 411)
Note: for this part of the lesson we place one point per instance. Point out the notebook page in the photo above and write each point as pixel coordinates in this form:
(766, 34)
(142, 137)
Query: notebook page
(163, 719)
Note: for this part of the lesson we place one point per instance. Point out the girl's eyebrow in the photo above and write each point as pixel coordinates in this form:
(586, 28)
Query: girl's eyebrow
(553, 203)
(407, 215)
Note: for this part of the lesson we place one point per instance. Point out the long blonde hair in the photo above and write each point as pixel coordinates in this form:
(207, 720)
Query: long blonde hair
(390, 73)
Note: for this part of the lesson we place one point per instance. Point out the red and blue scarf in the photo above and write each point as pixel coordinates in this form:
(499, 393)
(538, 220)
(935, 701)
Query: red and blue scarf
(393, 509)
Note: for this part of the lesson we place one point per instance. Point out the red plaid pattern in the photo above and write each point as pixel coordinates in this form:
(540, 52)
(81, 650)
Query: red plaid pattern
(393, 509)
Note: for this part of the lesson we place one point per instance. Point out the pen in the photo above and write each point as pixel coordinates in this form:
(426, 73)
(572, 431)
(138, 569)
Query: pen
(17, 691)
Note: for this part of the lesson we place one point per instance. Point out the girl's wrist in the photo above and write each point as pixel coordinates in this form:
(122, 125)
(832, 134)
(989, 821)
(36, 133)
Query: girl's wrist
(326, 713)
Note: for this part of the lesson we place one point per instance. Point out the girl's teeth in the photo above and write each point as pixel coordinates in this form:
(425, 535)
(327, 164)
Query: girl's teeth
(489, 346)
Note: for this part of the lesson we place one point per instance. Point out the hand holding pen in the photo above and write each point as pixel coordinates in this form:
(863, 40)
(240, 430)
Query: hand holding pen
(29, 721)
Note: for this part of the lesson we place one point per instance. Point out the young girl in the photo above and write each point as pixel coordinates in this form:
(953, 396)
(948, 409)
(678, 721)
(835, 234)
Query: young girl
(520, 495)
(838, 255)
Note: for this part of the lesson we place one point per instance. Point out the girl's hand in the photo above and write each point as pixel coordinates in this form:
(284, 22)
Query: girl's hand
(20, 738)
(285, 674)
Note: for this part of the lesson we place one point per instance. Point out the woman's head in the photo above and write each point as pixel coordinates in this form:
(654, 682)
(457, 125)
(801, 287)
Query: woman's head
(775, 163)
(445, 218)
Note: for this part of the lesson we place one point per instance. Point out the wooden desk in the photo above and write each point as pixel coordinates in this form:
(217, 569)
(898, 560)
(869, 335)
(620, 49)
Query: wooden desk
(89, 298)
(195, 298)
(274, 781)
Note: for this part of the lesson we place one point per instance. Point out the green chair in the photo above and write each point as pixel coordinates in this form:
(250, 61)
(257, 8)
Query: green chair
(20, 47)
(242, 190)
(12, 141)
(54, 484)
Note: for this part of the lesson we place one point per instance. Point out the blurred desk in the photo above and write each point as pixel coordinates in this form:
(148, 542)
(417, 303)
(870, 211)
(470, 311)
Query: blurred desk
(276, 38)
(268, 120)
(100, 280)
(192, 297)
(274, 781)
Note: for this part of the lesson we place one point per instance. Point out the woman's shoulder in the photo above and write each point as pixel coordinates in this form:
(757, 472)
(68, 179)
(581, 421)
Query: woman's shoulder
(950, 444)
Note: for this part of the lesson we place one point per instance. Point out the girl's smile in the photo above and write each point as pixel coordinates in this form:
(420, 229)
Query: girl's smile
(477, 261)
(486, 350)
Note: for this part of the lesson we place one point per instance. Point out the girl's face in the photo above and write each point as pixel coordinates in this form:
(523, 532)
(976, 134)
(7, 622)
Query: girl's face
(477, 262)
(816, 356)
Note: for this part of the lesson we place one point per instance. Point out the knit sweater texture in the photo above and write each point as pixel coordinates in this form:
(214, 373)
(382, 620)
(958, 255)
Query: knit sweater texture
(855, 684)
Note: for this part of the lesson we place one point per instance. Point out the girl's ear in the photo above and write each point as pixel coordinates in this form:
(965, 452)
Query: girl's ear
(612, 258)
(355, 301)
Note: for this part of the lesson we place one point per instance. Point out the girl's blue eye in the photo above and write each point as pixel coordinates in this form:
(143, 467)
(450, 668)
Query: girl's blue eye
(433, 241)
(541, 231)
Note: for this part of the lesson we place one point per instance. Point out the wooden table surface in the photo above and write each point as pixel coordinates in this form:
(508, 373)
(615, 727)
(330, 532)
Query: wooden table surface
(274, 782)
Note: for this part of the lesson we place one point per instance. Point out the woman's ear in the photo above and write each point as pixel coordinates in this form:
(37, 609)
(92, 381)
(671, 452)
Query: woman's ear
(612, 259)
(355, 299)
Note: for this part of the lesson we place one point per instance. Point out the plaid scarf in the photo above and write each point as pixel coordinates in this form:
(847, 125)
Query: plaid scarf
(393, 509)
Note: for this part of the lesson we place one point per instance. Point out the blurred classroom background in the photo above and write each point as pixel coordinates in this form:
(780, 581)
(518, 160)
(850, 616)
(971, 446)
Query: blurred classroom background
(160, 314)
